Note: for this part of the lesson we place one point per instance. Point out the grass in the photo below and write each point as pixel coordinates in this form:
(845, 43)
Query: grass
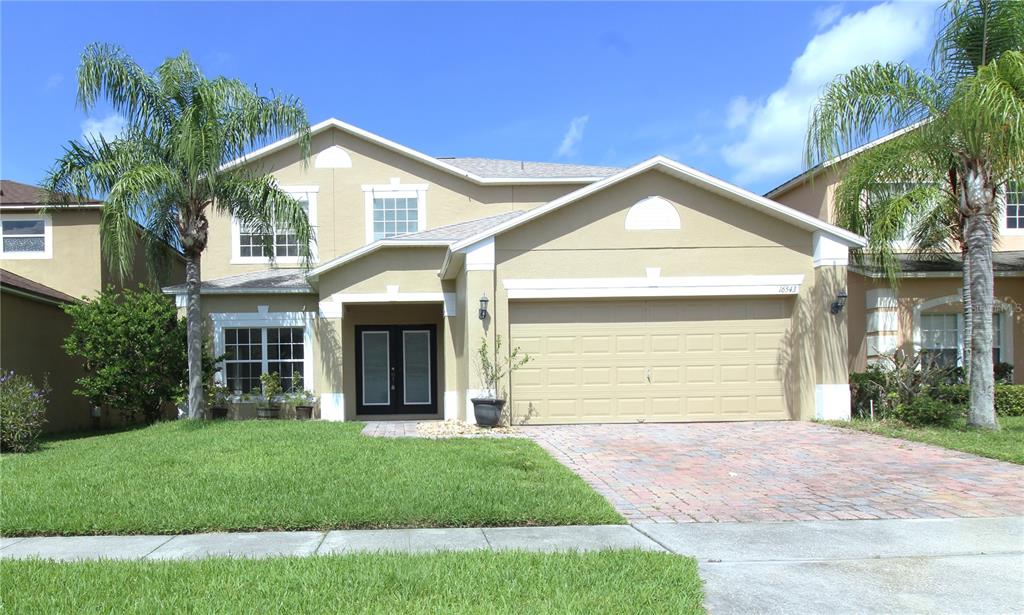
(1006, 444)
(187, 477)
(473, 582)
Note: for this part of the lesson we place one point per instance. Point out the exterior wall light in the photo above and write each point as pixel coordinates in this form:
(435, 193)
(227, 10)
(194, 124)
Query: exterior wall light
(840, 302)
(483, 306)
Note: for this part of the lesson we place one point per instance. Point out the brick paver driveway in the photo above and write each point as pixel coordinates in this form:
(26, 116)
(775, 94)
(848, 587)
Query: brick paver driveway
(778, 471)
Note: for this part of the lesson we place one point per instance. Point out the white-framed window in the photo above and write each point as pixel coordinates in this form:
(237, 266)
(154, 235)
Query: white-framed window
(250, 352)
(941, 338)
(26, 236)
(262, 342)
(394, 209)
(1013, 215)
(249, 246)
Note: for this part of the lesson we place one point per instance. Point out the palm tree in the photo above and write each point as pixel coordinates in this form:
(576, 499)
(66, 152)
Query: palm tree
(964, 140)
(165, 171)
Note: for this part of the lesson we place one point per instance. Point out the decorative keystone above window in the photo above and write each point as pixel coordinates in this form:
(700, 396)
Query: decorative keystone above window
(652, 214)
(334, 157)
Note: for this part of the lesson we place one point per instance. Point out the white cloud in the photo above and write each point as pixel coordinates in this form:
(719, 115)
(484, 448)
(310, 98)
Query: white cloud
(573, 135)
(109, 127)
(53, 81)
(738, 112)
(772, 146)
(826, 16)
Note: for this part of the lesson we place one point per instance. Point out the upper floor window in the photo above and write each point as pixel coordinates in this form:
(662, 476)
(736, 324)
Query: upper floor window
(1015, 206)
(26, 236)
(394, 209)
(251, 246)
(395, 216)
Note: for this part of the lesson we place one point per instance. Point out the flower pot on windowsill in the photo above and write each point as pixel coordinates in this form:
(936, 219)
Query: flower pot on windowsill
(218, 412)
(303, 413)
(487, 411)
(268, 412)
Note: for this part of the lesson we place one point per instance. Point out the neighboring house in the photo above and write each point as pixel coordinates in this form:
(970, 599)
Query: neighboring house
(33, 326)
(924, 312)
(56, 255)
(652, 293)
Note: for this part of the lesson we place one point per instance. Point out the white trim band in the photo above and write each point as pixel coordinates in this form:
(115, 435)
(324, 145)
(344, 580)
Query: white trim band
(696, 286)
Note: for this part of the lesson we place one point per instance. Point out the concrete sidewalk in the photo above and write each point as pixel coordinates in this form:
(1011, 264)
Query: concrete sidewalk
(827, 567)
(273, 544)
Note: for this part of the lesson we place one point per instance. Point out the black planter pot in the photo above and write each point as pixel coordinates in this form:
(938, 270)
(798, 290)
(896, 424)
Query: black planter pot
(268, 413)
(488, 411)
(218, 412)
(303, 413)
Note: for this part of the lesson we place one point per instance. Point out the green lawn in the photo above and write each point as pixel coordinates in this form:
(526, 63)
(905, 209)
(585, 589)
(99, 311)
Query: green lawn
(1006, 444)
(182, 477)
(474, 582)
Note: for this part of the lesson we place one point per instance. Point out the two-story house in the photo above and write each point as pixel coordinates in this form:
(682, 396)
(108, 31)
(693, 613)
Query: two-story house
(924, 312)
(48, 259)
(654, 292)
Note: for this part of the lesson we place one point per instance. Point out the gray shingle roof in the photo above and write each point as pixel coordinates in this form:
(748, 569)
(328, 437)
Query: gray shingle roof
(461, 230)
(266, 281)
(1002, 263)
(492, 167)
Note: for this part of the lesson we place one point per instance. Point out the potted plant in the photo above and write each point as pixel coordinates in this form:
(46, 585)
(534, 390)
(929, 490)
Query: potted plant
(218, 396)
(270, 385)
(492, 368)
(301, 399)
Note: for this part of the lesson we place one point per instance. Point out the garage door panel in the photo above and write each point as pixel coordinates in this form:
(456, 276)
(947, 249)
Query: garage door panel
(693, 359)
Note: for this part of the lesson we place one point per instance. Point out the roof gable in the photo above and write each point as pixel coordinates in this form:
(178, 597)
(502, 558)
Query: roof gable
(477, 170)
(684, 173)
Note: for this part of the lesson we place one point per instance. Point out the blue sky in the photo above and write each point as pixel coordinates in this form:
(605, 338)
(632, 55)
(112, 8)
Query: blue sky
(723, 87)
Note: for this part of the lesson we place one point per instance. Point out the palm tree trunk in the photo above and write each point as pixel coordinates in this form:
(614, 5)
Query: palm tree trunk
(194, 325)
(980, 200)
(968, 310)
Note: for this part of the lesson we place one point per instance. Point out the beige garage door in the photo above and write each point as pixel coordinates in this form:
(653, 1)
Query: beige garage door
(658, 360)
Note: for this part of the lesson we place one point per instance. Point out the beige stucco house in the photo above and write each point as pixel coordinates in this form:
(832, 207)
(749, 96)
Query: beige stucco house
(924, 312)
(651, 293)
(48, 258)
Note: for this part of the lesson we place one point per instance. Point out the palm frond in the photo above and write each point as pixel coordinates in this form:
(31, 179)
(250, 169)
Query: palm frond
(867, 102)
(987, 112)
(975, 33)
(257, 202)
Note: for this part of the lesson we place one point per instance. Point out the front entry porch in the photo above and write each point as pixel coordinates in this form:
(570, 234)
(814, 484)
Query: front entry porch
(393, 361)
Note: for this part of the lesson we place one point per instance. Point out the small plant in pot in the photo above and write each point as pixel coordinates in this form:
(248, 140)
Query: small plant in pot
(218, 398)
(492, 369)
(271, 388)
(301, 399)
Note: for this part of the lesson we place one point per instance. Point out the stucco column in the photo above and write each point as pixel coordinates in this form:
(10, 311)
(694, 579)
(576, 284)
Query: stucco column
(451, 340)
(329, 377)
(479, 281)
(831, 339)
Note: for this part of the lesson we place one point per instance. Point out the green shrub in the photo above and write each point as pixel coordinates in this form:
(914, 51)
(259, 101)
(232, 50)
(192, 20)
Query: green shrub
(1003, 373)
(1010, 399)
(22, 412)
(867, 390)
(926, 410)
(133, 346)
(957, 394)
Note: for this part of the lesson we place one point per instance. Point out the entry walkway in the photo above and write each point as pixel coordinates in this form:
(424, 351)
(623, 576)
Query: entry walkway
(883, 566)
